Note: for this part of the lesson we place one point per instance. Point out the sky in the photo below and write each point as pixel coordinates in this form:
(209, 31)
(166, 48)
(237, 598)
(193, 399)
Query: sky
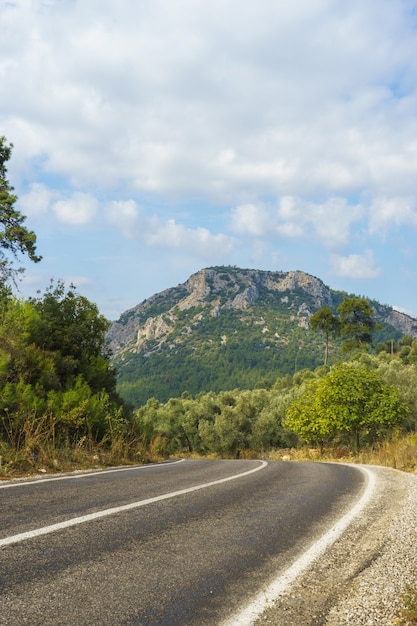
(153, 138)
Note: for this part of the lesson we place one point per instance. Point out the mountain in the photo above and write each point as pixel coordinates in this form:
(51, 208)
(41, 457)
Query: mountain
(227, 327)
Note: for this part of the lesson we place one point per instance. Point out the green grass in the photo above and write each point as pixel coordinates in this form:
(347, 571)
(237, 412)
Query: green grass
(408, 613)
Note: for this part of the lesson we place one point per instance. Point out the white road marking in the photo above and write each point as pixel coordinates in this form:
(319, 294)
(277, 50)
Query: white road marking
(119, 509)
(251, 612)
(84, 474)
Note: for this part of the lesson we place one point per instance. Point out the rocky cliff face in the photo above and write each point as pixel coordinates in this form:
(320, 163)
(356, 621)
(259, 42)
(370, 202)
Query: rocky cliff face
(242, 287)
(150, 324)
(404, 323)
(215, 289)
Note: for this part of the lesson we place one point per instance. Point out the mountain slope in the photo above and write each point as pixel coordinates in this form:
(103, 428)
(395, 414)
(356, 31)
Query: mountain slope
(227, 327)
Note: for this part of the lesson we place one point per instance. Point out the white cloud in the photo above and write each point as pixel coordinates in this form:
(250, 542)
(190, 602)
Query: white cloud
(125, 216)
(315, 97)
(37, 201)
(251, 219)
(294, 218)
(77, 210)
(332, 220)
(155, 232)
(199, 241)
(355, 266)
(386, 211)
(291, 217)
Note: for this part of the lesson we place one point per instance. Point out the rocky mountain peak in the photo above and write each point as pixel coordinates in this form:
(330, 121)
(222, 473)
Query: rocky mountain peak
(214, 290)
(242, 287)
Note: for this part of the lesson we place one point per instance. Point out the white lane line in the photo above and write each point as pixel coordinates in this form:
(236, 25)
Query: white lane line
(248, 615)
(85, 474)
(119, 509)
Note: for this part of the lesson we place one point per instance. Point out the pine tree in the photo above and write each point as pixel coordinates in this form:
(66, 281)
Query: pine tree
(15, 238)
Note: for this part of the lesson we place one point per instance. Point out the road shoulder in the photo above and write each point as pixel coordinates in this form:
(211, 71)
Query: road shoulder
(359, 580)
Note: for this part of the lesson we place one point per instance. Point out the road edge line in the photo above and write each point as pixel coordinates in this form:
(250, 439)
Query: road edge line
(75, 521)
(23, 482)
(253, 610)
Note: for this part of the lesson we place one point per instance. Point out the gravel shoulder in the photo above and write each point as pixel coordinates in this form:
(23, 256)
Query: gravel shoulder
(360, 579)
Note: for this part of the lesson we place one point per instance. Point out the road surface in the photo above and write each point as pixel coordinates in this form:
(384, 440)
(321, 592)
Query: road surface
(186, 542)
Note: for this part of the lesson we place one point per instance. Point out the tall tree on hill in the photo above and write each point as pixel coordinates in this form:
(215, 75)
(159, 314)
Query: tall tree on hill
(323, 320)
(15, 238)
(357, 322)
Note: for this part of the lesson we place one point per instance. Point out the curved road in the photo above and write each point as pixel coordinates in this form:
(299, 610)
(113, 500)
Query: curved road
(186, 542)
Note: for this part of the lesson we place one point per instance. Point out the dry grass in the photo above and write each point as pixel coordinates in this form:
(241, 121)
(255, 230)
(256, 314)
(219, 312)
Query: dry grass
(40, 454)
(408, 613)
(400, 453)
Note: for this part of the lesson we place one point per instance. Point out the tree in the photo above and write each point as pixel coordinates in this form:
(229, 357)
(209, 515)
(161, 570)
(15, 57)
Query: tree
(15, 238)
(324, 320)
(70, 326)
(303, 417)
(408, 353)
(357, 322)
(56, 379)
(352, 400)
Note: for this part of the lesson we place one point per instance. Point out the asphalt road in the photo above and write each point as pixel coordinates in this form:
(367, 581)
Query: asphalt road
(173, 543)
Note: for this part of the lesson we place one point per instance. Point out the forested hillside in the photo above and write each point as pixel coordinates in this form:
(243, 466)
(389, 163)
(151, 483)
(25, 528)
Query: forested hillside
(229, 328)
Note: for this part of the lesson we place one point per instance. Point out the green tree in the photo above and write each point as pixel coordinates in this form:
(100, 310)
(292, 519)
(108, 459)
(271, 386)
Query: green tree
(304, 417)
(357, 322)
(408, 353)
(352, 400)
(55, 371)
(324, 321)
(15, 238)
(404, 379)
(71, 327)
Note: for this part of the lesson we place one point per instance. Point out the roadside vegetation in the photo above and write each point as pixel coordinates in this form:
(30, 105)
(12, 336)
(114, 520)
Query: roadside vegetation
(362, 410)
(58, 400)
(55, 415)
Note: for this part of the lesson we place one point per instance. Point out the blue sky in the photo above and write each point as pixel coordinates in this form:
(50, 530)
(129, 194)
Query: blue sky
(155, 138)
